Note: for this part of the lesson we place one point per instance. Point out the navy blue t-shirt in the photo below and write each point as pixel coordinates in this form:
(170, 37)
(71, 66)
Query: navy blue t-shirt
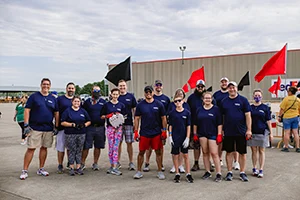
(42, 109)
(234, 115)
(63, 103)
(172, 107)
(219, 96)
(150, 113)
(179, 122)
(109, 107)
(260, 115)
(78, 117)
(165, 100)
(130, 102)
(207, 121)
(94, 110)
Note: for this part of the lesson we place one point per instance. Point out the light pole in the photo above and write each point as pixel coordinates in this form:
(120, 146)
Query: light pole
(182, 49)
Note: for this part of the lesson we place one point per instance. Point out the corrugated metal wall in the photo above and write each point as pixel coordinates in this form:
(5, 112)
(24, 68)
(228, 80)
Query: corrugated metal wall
(175, 75)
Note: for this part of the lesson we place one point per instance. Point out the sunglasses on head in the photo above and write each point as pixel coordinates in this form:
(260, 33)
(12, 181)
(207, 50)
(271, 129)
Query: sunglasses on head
(178, 100)
(200, 86)
(96, 90)
(158, 85)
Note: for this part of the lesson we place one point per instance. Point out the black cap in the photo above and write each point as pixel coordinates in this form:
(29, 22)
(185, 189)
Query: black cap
(148, 88)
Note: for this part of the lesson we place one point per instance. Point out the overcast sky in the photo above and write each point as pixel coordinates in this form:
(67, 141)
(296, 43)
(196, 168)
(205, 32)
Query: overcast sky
(73, 40)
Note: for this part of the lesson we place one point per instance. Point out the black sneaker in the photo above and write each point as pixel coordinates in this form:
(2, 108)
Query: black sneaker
(189, 178)
(298, 150)
(218, 178)
(285, 149)
(71, 172)
(206, 175)
(146, 168)
(60, 169)
(177, 178)
(79, 171)
(244, 177)
(229, 176)
(195, 168)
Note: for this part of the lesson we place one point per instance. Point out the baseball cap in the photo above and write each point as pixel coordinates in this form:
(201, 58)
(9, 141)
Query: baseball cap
(232, 83)
(224, 79)
(157, 82)
(148, 88)
(201, 82)
(54, 92)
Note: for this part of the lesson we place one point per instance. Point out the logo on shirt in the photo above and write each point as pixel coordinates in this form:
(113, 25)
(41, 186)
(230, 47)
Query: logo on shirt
(237, 104)
(118, 109)
(261, 111)
(210, 114)
(100, 103)
(50, 101)
(155, 108)
(162, 100)
(82, 115)
(184, 117)
(127, 99)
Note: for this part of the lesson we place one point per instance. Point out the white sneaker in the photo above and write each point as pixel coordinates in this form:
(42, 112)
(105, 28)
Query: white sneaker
(24, 175)
(160, 175)
(221, 162)
(42, 172)
(172, 170)
(138, 175)
(290, 146)
(236, 165)
(181, 169)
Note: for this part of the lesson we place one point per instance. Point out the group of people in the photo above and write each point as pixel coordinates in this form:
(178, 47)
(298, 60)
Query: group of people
(212, 123)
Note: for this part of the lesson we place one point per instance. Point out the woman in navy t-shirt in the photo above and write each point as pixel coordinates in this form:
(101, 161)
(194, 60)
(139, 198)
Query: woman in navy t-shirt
(261, 127)
(208, 127)
(112, 109)
(75, 120)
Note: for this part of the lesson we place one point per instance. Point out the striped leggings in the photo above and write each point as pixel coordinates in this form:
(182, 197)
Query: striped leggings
(114, 137)
(74, 143)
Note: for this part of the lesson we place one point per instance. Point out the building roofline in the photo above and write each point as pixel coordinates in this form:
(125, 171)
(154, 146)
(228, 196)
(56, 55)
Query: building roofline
(202, 57)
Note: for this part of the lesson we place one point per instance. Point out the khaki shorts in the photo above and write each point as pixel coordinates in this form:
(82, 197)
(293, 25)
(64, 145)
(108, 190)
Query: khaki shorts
(38, 139)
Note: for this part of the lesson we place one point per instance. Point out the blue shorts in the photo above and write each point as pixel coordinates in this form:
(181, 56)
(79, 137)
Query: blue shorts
(209, 137)
(96, 136)
(290, 123)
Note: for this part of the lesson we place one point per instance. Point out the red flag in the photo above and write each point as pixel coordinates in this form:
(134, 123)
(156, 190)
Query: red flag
(195, 76)
(185, 88)
(274, 66)
(275, 87)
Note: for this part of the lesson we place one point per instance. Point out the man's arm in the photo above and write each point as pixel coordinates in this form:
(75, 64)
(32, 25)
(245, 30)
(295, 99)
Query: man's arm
(136, 123)
(26, 115)
(249, 124)
(56, 117)
(164, 122)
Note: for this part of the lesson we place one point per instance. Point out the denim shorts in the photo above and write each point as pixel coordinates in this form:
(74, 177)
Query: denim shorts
(290, 123)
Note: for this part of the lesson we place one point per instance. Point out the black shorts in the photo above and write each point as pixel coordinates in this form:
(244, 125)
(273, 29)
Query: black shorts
(235, 143)
(177, 150)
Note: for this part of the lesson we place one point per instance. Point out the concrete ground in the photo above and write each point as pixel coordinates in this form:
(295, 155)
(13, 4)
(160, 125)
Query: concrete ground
(281, 180)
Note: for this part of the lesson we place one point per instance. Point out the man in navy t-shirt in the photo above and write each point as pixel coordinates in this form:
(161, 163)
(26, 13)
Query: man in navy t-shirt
(152, 130)
(165, 100)
(129, 101)
(40, 109)
(63, 103)
(237, 128)
(95, 135)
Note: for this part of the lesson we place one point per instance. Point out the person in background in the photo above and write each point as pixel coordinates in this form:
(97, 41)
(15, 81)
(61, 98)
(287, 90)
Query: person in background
(261, 128)
(290, 109)
(75, 120)
(19, 116)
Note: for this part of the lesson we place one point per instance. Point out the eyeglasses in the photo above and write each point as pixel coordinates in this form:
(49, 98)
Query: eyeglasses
(207, 97)
(178, 100)
(200, 86)
(96, 90)
(158, 85)
(148, 91)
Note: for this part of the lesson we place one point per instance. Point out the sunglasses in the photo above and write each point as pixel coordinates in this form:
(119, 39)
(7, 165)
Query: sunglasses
(158, 85)
(178, 100)
(200, 86)
(96, 90)
(148, 91)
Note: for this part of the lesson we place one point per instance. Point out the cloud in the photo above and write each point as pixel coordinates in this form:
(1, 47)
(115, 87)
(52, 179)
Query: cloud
(87, 35)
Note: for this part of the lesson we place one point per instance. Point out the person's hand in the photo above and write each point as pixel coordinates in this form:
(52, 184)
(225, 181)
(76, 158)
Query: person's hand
(27, 129)
(248, 135)
(109, 115)
(163, 134)
(270, 137)
(195, 138)
(55, 131)
(136, 135)
(14, 118)
(186, 143)
(171, 141)
(80, 126)
(219, 139)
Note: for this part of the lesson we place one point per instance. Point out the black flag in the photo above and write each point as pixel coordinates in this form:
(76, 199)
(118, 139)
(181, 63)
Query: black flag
(244, 81)
(298, 85)
(209, 89)
(119, 72)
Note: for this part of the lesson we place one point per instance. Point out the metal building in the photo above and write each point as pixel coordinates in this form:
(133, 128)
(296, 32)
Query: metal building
(174, 74)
